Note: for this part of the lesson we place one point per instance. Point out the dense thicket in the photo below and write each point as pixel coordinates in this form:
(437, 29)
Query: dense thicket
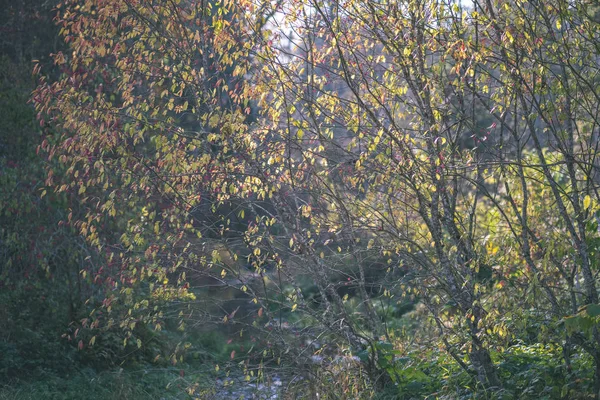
(382, 198)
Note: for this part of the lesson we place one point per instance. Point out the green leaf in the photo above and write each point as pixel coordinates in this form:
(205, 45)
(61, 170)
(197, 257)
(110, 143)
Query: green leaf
(593, 310)
(363, 355)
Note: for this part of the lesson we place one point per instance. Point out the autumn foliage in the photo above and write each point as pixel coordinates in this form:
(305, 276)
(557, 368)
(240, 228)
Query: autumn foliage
(326, 163)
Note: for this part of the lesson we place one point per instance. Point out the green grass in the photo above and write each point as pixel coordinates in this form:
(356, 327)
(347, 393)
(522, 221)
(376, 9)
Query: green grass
(131, 385)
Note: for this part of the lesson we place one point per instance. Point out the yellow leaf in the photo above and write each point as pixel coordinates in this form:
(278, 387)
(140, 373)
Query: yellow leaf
(587, 201)
(294, 307)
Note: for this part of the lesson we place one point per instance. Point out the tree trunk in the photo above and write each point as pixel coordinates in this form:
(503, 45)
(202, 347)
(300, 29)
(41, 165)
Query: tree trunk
(597, 375)
(486, 372)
